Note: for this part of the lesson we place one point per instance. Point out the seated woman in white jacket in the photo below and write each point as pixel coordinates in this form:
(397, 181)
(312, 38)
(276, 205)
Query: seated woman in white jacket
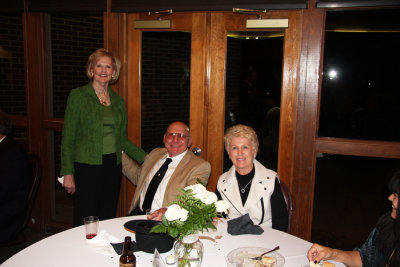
(248, 186)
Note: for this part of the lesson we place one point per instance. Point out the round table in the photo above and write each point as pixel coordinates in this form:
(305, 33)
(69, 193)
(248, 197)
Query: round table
(71, 248)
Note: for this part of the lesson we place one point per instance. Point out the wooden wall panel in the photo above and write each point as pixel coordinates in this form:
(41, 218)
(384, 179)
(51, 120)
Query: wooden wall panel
(199, 82)
(116, 40)
(366, 148)
(216, 104)
(33, 24)
(290, 80)
(306, 122)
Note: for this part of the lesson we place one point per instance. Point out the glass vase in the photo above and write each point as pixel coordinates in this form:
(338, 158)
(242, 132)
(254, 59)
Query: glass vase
(189, 251)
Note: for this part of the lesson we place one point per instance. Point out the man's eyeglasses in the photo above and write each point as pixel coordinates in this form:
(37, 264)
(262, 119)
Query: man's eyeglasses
(178, 135)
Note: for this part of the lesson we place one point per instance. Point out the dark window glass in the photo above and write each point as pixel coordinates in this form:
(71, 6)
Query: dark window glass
(349, 197)
(253, 89)
(21, 136)
(73, 39)
(62, 204)
(359, 95)
(12, 70)
(165, 84)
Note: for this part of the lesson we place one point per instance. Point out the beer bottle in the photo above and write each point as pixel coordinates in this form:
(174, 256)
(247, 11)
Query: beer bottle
(127, 258)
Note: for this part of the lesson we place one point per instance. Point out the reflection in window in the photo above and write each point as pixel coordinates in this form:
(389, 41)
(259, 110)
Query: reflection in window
(350, 195)
(165, 84)
(73, 39)
(359, 97)
(253, 89)
(12, 70)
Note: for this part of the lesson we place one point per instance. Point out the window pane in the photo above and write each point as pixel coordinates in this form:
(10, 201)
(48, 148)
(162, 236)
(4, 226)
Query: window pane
(349, 197)
(165, 84)
(12, 70)
(21, 136)
(359, 97)
(62, 206)
(73, 39)
(253, 89)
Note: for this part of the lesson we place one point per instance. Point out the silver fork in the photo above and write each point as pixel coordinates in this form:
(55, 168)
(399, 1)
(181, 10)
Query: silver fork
(269, 251)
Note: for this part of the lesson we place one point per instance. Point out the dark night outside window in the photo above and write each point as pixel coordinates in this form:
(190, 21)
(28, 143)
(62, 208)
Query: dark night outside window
(360, 94)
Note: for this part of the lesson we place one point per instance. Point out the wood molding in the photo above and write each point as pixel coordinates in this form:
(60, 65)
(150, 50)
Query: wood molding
(306, 123)
(35, 77)
(199, 79)
(216, 104)
(53, 124)
(368, 148)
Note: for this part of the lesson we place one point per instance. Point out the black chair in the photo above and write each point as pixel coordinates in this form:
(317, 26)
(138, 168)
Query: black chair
(288, 200)
(36, 174)
(36, 171)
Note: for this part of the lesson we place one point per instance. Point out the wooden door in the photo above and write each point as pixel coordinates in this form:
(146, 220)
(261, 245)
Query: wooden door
(208, 58)
(221, 25)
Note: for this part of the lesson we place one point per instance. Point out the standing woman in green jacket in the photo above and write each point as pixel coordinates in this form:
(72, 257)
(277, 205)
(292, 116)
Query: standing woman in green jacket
(93, 138)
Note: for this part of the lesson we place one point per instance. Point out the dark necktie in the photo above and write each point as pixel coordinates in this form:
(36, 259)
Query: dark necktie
(151, 190)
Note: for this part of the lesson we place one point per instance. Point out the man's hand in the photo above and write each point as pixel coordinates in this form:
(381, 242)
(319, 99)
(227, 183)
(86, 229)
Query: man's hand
(157, 215)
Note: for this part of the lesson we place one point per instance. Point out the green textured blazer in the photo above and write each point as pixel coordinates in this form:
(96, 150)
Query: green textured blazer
(82, 136)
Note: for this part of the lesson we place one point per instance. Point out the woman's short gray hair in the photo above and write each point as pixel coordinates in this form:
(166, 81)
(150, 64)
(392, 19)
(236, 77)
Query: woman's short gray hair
(241, 130)
(95, 56)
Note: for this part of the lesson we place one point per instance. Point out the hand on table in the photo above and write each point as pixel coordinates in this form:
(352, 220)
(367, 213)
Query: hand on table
(318, 253)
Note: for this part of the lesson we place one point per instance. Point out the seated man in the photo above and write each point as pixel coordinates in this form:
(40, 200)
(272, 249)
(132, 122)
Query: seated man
(14, 182)
(158, 181)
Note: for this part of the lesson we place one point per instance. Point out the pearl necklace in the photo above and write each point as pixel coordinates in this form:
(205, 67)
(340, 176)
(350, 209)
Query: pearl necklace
(243, 189)
(103, 102)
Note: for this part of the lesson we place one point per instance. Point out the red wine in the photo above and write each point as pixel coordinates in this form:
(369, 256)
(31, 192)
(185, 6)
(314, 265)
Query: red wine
(90, 236)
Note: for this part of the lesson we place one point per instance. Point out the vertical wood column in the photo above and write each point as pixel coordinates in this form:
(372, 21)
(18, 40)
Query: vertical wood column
(35, 77)
(216, 105)
(199, 81)
(307, 121)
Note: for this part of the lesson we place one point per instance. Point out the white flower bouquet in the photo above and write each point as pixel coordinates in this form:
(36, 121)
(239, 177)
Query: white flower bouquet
(193, 211)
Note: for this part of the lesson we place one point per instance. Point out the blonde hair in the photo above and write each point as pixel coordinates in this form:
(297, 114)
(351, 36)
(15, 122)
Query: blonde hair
(95, 56)
(244, 131)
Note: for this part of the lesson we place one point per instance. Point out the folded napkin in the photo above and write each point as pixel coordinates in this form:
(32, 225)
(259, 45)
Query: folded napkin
(243, 225)
(118, 247)
(101, 243)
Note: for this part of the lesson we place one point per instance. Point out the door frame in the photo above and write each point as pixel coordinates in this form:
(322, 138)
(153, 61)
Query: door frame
(221, 24)
(208, 69)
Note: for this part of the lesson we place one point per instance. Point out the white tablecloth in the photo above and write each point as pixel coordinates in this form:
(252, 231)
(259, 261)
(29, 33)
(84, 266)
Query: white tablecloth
(70, 248)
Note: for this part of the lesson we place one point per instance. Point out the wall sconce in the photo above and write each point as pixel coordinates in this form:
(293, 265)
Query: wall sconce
(155, 24)
(260, 22)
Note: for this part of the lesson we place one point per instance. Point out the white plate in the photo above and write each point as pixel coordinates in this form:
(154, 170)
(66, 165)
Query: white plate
(241, 257)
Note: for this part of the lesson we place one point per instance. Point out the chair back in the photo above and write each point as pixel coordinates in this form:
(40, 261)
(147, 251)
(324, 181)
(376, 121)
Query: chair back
(288, 200)
(197, 151)
(36, 174)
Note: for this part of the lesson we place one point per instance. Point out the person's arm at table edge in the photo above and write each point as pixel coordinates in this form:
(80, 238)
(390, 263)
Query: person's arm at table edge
(349, 258)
